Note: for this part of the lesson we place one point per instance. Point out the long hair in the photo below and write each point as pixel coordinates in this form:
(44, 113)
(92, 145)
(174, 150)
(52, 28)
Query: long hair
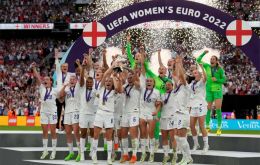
(218, 64)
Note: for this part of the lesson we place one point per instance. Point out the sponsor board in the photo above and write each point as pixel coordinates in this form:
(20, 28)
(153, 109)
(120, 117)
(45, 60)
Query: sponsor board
(237, 124)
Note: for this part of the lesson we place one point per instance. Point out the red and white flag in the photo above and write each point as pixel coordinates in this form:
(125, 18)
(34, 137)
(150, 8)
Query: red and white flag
(94, 34)
(239, 33)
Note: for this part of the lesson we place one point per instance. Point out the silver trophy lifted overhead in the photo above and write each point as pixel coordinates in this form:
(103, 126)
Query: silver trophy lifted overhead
(122, 63)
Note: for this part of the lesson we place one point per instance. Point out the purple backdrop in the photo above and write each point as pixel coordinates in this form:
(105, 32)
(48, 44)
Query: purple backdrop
(251, 49)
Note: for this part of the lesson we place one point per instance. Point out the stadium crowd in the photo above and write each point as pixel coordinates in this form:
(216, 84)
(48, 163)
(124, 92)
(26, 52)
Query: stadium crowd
(17, 90)
(65, 11)
(42, 11)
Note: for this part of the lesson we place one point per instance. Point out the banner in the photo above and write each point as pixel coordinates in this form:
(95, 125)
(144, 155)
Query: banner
(243, 125)
(186, 11)
(20, 121)
(30, 121)
(26, 26)
(12, 121)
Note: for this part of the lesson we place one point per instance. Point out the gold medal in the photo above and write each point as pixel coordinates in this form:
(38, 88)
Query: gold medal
(103, 103)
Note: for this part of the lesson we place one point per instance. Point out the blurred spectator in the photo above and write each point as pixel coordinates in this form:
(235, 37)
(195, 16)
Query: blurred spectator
(41, 11)
(17, 87)
(11, 112)
(65, 11)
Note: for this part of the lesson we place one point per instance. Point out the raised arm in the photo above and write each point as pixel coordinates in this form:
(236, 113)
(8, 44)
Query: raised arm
(180, 70)
(57, 62)
(62, 91)
(105, 65)
(88, 61)
(118, 84)
(199, 59)
(204, 77)
(143, 65)
(129, 52)
(107, 74)
(148, 71)
(36, 74)
(160, 58)
(82, 74)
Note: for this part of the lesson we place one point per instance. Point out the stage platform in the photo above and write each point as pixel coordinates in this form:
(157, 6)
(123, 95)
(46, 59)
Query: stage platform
(24, 147)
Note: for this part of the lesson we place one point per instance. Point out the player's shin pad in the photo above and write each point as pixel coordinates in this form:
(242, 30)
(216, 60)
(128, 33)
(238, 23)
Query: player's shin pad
(208, 117)
(219, 117)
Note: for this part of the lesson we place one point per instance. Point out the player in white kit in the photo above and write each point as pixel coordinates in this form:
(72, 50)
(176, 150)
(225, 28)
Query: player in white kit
(71, 115)
(181, 96)
(168, 123)
(62, 77)
(105, 113)
(93, 67)
(198, 108)
(170, 65)
(96, 73)
(119, 104)
(130, 118)
(150, 105)
(48, 111)
(87, 110)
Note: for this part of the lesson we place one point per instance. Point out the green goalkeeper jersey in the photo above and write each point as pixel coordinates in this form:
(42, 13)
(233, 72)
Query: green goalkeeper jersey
(159, 81)
(216, 72)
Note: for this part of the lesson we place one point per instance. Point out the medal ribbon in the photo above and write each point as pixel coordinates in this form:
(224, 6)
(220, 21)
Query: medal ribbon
(47, 94)
(128, 92)
(88, 94)
(167, 98)
(105, 95)
(63, 77)
(149, 95)
(72, 90)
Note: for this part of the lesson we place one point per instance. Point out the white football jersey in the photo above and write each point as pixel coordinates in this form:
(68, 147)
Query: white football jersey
(109, 104)
(119, 104)
(181, 98)
(198, 94)
(72, 99)
(168, 108)
(48, 99)
(61, 78)
(148, 98)
(87, 98)
(132, 99)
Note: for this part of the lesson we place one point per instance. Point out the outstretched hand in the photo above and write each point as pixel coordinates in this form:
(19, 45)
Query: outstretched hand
(206, 51)
(78, 62)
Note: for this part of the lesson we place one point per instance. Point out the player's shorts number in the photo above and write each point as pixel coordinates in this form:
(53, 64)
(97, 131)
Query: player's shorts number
(171, 123)
(200, 109)
(179, 122)
(134, 119)
(76, 116)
